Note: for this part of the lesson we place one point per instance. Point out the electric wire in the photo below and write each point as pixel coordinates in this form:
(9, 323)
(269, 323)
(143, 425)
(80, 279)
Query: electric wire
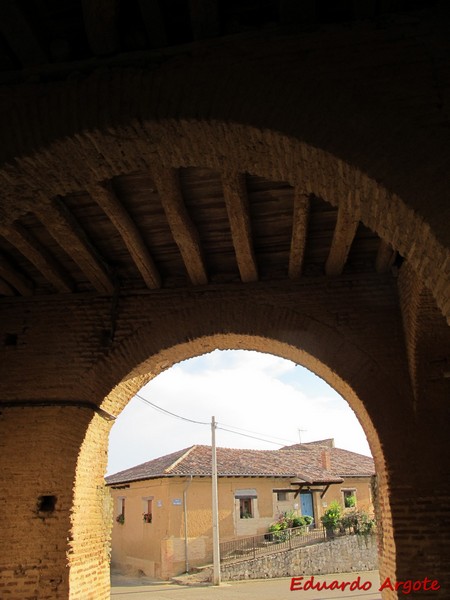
(218, 425)
(274, 437)
(249, 436)
(163, 410)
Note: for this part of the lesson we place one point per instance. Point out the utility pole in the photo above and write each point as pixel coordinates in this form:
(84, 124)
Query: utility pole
(215, 507)
(300, 431)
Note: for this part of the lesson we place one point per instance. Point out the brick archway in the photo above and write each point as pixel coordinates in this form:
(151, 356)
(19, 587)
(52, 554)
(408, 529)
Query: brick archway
(56, 152)
(385, 340)
(201, 327)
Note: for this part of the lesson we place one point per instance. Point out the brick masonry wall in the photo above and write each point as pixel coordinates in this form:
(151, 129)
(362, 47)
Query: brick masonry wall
(54, 450)
(381, 149)
(96, 126)
(91, 518)
(38, 455)
(342, 555)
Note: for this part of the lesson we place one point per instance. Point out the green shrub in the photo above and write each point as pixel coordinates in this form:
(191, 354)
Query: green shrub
(350, 501)
(288, 520)
(357, 521)
(332, 515)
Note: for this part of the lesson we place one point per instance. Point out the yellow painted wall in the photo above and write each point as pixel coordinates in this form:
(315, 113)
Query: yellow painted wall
(159, 548)
(362, 488)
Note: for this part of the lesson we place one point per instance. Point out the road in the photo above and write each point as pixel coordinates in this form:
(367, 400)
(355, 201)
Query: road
(270, 589)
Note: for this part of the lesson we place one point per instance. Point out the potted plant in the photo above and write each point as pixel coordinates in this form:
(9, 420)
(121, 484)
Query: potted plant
(147, 517)
(331, 518)
(120, 519)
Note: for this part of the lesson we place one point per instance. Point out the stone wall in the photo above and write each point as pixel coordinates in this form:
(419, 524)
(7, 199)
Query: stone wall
(341, 555)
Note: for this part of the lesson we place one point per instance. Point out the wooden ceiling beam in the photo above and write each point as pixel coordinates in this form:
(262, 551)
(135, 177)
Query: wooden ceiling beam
(299, 233)
(385, 257)
(27, 244)
(183, 229)
(153, 21)
(204, 18)
(236, 201)
(6, 289)
(100, 23)
(67, 232)
(106, 198)
(15, 279)
(19, 34)
(343, 236)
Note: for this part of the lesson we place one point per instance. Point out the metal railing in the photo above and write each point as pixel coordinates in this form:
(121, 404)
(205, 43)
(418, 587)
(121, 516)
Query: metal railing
(269, 543)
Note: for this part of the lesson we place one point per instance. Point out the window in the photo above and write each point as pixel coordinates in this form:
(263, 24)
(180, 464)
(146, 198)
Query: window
(245, 508)
(246, 499)
(349, 498)
(120, 510)
(282, 496)
(148, 509)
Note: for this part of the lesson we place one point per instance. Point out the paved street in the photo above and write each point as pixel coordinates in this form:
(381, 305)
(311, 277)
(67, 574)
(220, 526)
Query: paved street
(270, 589)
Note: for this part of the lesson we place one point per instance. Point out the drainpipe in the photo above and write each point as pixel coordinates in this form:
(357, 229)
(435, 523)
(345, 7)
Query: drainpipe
(186, 524)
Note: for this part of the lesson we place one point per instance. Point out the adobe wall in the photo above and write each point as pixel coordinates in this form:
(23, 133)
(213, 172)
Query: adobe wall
(158, 548)
(362, 490)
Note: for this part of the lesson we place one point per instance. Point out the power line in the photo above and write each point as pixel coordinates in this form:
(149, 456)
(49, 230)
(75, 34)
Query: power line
(163, 410)
(274, 437)
(249, 436)
(254, 437)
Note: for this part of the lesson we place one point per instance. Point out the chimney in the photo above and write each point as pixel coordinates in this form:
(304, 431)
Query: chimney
(326, 459)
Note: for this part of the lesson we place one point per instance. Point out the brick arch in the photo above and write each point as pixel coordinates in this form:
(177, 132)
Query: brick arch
(378, 144)
(207, 326)
(91, 156)
(105, 126)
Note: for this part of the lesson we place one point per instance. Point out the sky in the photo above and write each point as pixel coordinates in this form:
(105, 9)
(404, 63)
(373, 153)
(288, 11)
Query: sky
(269, 397)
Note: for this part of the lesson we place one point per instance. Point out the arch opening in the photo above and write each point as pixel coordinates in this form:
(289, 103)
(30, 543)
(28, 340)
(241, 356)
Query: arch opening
(149, 368)
(278, 400)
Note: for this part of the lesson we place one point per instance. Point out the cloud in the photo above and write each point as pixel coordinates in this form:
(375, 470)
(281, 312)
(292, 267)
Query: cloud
(253, 391)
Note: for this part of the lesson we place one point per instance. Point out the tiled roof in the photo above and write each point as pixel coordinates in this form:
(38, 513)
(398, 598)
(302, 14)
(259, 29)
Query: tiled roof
(302, 461)
(343, 463)
(329, 442)
(153, 468)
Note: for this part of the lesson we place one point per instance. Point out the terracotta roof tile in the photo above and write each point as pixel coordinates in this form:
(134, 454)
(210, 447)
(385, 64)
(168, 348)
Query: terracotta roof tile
(153, 468)
(302, 461)
(343, 462)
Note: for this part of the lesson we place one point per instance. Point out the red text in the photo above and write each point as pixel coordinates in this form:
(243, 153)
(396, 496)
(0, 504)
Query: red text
(410, 585)
(300, 583)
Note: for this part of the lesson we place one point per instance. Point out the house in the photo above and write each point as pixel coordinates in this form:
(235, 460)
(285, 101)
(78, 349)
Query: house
(162, 508)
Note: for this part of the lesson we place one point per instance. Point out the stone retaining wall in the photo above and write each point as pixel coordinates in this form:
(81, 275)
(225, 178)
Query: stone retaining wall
(341, 555)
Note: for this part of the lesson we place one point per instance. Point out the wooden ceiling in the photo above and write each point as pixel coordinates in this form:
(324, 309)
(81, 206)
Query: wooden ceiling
(171, 227)
(178, 227)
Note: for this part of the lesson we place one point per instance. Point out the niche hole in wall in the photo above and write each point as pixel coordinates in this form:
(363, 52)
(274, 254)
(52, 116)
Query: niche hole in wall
(10, 339)
(46, 504)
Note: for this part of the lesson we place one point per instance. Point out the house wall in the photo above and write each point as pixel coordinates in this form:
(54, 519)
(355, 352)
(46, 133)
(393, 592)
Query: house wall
(136, 543)
(363, 493)
(159, 549)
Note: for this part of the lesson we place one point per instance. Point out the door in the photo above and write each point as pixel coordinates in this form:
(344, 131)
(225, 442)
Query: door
(306, 504)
